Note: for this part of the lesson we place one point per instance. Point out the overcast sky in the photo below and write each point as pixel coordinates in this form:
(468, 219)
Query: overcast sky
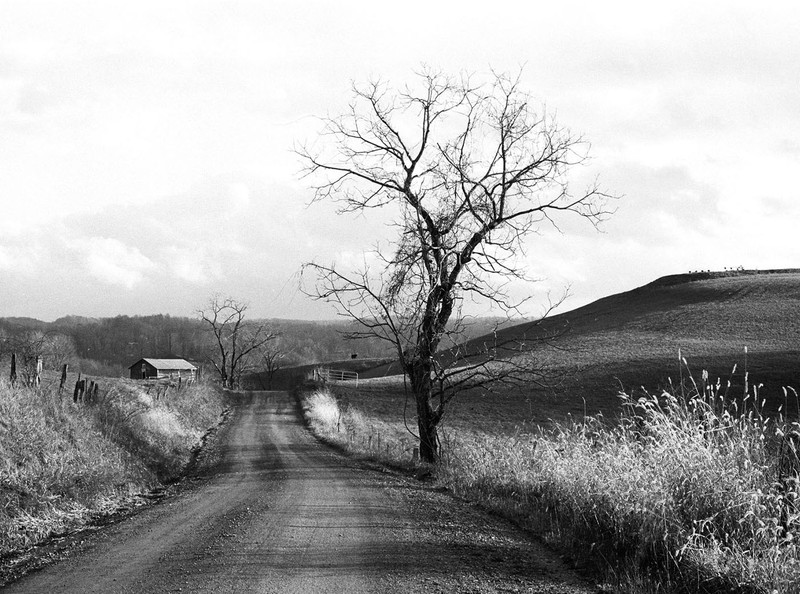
(145, 147)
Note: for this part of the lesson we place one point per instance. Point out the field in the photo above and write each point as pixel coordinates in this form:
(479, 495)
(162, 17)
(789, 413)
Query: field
(737, 326)
(688, 482)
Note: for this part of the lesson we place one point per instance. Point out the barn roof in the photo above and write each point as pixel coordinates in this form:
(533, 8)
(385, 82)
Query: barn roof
(166, 363)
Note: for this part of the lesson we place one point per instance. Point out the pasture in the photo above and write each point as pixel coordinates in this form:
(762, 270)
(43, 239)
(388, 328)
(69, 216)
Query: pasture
(740, 327)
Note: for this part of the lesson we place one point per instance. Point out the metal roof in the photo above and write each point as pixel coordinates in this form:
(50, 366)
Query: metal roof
(166, 363)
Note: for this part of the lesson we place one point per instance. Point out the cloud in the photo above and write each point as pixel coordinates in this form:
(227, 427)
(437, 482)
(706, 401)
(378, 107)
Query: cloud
(191, 264)
(5, 259)
(23, 254)
(231, 233)
(111, 261)
(137, 139)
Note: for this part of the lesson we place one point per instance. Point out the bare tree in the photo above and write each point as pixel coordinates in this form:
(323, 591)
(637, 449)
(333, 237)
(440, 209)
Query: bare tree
(272, 361)
(30, 348)
(471, 171)
(236, 340)
(59, 350)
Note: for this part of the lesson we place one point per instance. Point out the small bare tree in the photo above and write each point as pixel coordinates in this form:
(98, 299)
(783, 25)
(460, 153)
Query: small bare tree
(30, 349)
(59, 350)
(271, 362)
(236, 340)
(471, 170)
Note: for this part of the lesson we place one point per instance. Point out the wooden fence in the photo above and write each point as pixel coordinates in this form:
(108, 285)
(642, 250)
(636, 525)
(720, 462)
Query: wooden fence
(326, 374)
(87, 390)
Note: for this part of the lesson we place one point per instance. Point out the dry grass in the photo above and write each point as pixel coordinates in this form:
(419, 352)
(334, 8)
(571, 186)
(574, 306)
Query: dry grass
(65, 463)
(158, 430)
(356, 432)
(692, 490)
(686, 489)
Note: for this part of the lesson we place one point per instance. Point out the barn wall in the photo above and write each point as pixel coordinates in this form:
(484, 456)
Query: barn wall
(136, 371)
(176, 373)
(152, 372)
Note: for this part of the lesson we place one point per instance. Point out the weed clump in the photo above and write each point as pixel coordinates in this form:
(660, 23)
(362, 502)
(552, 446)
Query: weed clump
(350, 429)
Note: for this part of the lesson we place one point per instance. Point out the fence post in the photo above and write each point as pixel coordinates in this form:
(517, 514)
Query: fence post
(13, 368)
(79, 387)
(37, 379)
(64, 369)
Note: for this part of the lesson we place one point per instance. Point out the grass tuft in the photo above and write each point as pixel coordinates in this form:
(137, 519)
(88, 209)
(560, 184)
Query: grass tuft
(349, 429)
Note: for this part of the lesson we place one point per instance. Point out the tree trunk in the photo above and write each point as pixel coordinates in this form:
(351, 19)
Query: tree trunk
(427, 417)
(428, 431)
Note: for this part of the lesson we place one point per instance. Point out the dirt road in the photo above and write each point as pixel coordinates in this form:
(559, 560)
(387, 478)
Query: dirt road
(279, 512)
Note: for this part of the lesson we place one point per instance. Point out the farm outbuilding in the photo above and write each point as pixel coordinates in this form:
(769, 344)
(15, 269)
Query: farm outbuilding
(162, 368)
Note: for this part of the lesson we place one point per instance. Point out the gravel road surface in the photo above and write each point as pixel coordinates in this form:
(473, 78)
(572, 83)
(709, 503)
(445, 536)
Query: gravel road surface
(276, 511)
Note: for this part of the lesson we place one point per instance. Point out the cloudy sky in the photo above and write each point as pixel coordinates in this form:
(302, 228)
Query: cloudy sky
(145, 147)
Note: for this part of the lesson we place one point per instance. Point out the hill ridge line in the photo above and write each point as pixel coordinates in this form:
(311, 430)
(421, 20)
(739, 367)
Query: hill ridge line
(687, 277)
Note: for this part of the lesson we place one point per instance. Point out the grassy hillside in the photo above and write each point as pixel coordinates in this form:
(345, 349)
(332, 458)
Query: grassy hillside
(68, 463)
(747, 319)
(708, 313)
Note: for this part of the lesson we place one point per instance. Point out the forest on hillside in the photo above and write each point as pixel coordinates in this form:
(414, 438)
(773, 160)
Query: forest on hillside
(108, 346)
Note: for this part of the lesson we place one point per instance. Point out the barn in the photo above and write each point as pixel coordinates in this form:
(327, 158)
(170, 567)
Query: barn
(148, 368)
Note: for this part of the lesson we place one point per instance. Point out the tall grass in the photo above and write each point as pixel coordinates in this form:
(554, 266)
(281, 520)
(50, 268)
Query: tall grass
(687, 491)
(61, 464)
(159, 432)
(353, 431)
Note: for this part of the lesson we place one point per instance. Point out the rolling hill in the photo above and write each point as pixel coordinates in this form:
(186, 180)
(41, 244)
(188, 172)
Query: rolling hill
(631, 341)
(706, 313)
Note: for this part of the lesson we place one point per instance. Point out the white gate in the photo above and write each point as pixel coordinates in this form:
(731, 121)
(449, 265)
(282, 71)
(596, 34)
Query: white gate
(326, 374)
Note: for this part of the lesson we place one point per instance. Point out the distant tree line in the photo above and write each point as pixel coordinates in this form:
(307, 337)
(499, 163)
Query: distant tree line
(108, 346)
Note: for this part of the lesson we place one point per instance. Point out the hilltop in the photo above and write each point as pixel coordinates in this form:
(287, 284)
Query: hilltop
(700, 313)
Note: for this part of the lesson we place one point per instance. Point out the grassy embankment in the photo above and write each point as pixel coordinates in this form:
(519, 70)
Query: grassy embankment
(65, 464)
(695, 488)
